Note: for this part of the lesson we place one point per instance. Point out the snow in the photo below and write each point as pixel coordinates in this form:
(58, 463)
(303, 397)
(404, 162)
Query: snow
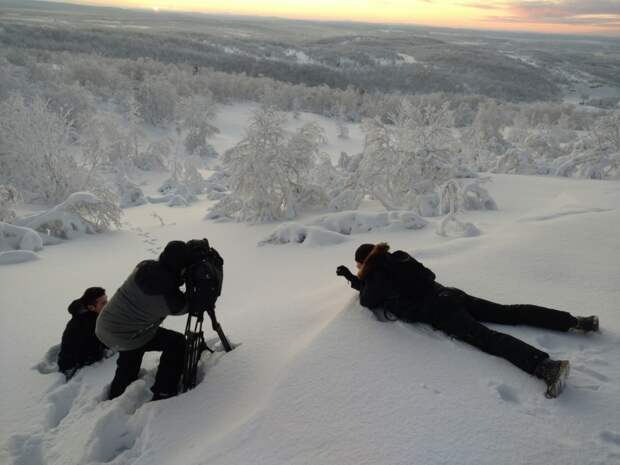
(298, 233)
(299, 56)
(317, 379)
(334, 228)
(407, 58)
(11, 257)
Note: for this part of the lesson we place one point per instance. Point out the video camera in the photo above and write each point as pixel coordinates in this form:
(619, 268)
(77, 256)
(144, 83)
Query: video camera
(203, 277)
(203, 284)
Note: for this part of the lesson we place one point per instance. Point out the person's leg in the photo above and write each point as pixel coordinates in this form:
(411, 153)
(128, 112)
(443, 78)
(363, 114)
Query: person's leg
(127, 369)
(532, 315)
(453, 319)
(172, 346)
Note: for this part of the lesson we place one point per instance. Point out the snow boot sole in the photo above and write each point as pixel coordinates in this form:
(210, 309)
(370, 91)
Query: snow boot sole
(555, 388)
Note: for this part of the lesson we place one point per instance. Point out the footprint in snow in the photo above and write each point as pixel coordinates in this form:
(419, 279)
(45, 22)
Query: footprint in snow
(117, 432)
(428, 388)
(587, 387)
(560, 214)
(505, 392)
(590, 372)
(61, 401)
(611, 437)
(26, 449)
(547, 341)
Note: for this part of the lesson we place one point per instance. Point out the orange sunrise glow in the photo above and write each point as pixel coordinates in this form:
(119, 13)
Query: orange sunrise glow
(552, 16)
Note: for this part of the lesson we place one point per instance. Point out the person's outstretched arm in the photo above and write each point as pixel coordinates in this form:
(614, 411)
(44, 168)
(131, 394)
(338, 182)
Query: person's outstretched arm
(354, 281)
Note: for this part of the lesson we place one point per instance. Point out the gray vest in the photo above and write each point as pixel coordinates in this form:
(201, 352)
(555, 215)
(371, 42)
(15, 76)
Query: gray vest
(131, 318)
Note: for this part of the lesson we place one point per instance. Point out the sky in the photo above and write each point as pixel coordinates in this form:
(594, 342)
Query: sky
(552, 16)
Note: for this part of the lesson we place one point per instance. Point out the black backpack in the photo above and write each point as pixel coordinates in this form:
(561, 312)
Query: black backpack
(410, 278)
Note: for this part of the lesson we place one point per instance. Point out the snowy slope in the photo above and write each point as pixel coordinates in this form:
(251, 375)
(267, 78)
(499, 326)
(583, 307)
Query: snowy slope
(317, 380)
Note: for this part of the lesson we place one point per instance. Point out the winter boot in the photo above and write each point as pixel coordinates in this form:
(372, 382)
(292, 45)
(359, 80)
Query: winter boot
(554, 374)
(586, 323)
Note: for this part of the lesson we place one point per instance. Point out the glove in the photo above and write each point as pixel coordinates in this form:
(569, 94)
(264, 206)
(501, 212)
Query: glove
(344, 271)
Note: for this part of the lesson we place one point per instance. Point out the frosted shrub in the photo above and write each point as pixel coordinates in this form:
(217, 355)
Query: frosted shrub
(81, 212)
(590, 164)
(409, 158)
(338, 188)
(516, 161)
(94, 73)
(195, 115)
(75, 100)
(606, 131)
(157, 101)
(19, 238)
(130, 194)
(465, 194)
(154, 157)
(9, 196)
(36, 141)
(268, 173)
(182, 187)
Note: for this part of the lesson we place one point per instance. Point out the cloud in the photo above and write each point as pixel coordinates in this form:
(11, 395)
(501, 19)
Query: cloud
(567, 8)
(613, 24)
(599, 13)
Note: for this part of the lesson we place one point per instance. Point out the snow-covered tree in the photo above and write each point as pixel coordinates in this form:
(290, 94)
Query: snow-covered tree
(129, 193)
(9, 196)
(268, 171)
(516, 161)
(73, 100)
(195, 115)
(182, 187)
(484, 139)
(589, 164)
(154, 157)
(157, 101)
(35, 143)
(405, 162)
(103, 143)
(606, 132)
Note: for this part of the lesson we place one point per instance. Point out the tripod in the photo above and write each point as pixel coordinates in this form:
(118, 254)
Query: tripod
(194, 346)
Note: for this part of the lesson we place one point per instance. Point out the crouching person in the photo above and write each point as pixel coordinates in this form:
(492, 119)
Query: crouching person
(130, 322)
(80, 346)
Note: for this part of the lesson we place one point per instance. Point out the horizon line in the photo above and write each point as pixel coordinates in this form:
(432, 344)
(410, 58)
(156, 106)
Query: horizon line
(167, 10)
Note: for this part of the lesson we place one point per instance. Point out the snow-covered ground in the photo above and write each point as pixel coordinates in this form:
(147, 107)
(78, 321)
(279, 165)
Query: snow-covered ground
(317, 380)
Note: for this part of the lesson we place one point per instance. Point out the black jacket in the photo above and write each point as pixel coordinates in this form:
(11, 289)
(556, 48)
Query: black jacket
(79, 345)
(395, 282)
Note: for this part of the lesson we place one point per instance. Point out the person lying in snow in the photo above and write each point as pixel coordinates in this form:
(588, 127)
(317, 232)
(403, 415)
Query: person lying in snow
(79, 346)
(396, 286)
(130, 322)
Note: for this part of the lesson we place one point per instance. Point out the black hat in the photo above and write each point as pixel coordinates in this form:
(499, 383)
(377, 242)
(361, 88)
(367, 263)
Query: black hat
(89, 297)
(363, 251)
(176, 256)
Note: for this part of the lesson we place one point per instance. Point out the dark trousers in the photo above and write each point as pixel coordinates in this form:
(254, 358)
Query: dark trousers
(172, 346)
(460, 315)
